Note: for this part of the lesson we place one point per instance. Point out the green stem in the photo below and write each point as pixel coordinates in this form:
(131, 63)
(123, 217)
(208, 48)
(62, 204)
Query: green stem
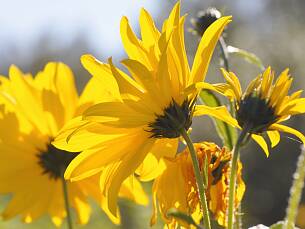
(66, 199)
(232, 185)
(224, 53)
(199, 179)
(239, 223)
(296, 191)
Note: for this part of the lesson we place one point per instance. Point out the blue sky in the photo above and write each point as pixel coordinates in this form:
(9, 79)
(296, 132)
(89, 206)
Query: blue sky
(23, 22)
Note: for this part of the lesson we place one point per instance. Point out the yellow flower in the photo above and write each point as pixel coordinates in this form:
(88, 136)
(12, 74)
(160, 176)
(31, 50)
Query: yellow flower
(32, 110)
(176, 186)
(263, 106)
(146, 110)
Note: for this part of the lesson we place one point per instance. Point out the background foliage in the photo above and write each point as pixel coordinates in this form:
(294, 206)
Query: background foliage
(274, 30)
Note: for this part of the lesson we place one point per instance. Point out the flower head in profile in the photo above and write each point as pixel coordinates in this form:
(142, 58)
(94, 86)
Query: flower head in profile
(203, 20)
(148, 108)
(176, 186)
(32, 110)
(263, 106)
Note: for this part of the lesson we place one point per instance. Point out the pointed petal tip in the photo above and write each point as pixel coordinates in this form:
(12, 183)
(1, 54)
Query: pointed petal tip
(13, 69)
(84, 59)
(124, 20)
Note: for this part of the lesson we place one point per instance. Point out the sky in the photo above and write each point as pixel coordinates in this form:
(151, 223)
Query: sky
(23, 22)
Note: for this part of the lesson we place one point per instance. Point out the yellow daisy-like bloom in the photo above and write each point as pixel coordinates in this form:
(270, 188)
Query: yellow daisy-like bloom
(32, 110)
(176, 186)
(147, 109)
(263, 106)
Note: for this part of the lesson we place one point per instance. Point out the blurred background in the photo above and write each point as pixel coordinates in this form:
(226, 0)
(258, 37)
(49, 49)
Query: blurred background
(34, 32)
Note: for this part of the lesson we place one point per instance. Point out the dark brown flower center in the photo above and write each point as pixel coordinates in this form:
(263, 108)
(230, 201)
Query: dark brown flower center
(55, 161)
(256, 113)
(174, 118)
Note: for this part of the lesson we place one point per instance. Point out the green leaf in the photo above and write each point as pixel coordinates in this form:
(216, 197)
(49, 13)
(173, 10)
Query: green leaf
(226, 132)
(181, 216)
(248, 56)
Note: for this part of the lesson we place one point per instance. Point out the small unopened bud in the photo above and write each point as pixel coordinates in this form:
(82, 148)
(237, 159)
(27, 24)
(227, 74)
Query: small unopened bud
(203, 20)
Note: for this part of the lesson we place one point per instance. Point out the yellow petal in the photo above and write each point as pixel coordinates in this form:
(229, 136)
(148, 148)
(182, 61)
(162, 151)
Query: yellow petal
(233, 84)
(170, 189)
(132, 45)
(91, 161)
(266, 84)
(132, 189)
(79, 202)
(116, 114)
(112, 180)
(144, 77)
(97, 90)
(163, 76)
(173, 19)
(274, 137)
(66, 89)
(57, 207)
(289, 130)
(28, 99)
(220, 113)
(261, 141)
(151, 168)
(106, 73)
(149, 32)
(116, 219)
(178, 48)
(206, 48)
(153, 165)
(78, 135)
(54, 111)
(297, 107)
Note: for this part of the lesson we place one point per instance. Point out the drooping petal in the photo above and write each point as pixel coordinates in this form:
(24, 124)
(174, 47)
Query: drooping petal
(79, 202)
(262, 143)
(153, 165)
(92, 161)
(289, 130)
(57, 208)
(274, 137)
(132, 189)
(116, 173)
(294, 107)
(170, 190)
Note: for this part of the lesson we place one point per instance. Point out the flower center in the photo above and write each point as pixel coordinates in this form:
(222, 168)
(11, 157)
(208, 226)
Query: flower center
(255, 112)
(55, 161)
(175, 117)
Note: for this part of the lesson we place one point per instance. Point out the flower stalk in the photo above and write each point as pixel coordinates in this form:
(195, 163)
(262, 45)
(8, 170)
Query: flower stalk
(296, 191)
(199, 179)
(66, 200)
(232, 186)
(224, 53)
